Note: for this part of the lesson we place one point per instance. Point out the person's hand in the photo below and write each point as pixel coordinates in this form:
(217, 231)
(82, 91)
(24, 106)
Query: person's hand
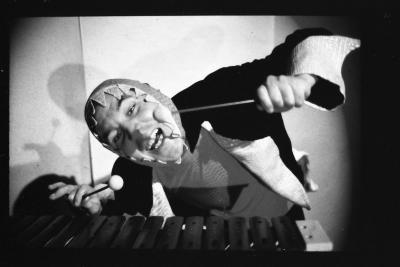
(74, 193)
(281, 93)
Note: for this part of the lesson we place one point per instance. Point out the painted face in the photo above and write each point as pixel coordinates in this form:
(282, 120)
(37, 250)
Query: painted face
(138, 127)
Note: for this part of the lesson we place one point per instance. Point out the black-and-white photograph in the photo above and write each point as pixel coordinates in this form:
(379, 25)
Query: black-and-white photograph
(208, 133)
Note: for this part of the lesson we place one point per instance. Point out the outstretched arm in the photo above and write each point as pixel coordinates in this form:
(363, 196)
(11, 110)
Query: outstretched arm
(308, 69)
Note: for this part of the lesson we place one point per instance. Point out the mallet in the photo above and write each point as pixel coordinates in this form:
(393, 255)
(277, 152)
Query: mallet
(115, 183)
(217, 106)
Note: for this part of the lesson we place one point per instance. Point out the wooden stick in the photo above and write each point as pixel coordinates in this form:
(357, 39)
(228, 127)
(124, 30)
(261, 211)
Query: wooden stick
(115, 183)
(95, 192)
(217, 106)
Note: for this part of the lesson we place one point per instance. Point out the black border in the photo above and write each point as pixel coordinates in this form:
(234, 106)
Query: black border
(376, 227)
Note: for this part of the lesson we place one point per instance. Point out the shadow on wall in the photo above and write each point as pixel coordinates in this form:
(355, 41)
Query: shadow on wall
(34, 198)
(351, 74)
(352, 113)
(67, 89)
(348, 26)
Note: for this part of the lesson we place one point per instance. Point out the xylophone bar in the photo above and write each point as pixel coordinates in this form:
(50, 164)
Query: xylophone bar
(176, 233)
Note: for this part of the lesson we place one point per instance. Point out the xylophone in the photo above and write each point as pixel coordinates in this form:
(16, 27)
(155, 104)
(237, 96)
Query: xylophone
(174, 233)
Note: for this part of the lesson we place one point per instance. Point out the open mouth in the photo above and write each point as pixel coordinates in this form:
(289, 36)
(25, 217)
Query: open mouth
(156, 139)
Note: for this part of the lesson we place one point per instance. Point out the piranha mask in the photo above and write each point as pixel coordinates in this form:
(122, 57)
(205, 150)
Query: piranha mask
(136, 121)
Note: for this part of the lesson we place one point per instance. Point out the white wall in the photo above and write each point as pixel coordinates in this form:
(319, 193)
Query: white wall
(47, 130)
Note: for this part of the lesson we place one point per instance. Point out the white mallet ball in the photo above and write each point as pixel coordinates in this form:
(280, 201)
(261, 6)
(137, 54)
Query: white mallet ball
(116, 182)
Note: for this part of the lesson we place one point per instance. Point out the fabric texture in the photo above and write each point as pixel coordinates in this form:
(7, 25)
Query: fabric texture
(323, 56)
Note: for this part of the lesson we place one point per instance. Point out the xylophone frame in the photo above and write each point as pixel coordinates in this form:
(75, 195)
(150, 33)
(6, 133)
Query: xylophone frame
(153, 238)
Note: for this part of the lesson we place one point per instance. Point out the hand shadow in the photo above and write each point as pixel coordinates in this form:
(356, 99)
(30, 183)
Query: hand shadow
(34, 198)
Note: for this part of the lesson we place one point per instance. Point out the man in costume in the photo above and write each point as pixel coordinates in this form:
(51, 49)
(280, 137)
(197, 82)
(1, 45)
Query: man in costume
(231, 161)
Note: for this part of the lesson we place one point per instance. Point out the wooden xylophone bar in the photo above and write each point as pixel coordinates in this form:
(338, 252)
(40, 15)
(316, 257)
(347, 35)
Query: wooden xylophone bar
(175, 233)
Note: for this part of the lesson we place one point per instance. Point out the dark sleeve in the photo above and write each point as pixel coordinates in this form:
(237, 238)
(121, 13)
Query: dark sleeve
(137, 194)
(239, 83)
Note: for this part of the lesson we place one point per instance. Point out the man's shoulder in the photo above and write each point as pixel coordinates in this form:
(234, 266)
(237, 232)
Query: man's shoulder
(126, 165)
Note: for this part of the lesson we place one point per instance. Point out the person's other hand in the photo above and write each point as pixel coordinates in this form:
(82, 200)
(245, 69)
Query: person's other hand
(282, 93)
(74, 193)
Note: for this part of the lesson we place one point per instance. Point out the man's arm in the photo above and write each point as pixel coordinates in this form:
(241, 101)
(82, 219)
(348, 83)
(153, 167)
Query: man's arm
(309, 59)
(241, 82)
(238, 83)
